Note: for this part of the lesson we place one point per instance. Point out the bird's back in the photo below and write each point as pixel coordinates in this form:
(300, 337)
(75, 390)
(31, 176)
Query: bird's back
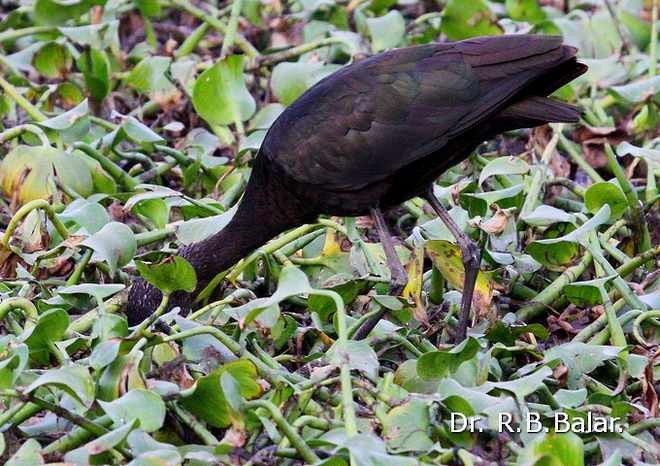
(377, 116)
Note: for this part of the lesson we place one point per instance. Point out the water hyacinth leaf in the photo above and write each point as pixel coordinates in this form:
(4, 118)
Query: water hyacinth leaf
(198, 229)
(507, 334)
(53, 60)
(97, 36)
(173, 274)
(580, 358)
(461, 20)
(265, 117)
(386, 31)
(554, 449)
(406, 427)
(525, 10)
(220, 95)
(588, 293)
(74, 379)
(137, 132)
(290, 80)
(57, 12)
(114, 244)
(156, 210)
(545, 215)
(68, 119)
(150, 77)
(12, 365)
(88, 454)
(524, 386)
(562, 250)
(503, 166)
(637, 91)
(31, 172)
(207, 399)
(599, 194)
(446, 257)
(95, 290)
(358, 354)
(438, 364)
(626, 148)
(28, 454)
(91, 216)
(142, 405)
(95, 67)
(50, 328)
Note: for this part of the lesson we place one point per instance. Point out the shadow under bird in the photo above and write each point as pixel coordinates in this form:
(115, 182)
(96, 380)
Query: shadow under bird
(377, 133)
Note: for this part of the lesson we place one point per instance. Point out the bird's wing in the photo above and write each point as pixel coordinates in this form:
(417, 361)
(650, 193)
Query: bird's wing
(374, 117)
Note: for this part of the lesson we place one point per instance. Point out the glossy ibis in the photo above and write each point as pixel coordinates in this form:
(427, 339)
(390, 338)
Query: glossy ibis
(379, 132)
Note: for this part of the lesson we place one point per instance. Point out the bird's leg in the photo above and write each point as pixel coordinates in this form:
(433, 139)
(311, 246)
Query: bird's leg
(398, 275)
(471, 260)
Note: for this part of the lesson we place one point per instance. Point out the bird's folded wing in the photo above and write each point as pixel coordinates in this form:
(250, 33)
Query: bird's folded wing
(371, 119)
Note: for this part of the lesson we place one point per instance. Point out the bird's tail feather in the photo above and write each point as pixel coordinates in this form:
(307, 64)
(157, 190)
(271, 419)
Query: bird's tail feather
(541, 109)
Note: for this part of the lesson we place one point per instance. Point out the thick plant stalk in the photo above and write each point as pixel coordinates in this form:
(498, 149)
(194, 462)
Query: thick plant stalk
(569, 147)
(25, 210)
(638, 221)
(232, 26)
(126, 180)
(287, 429)
(539, 174)
(21, 101)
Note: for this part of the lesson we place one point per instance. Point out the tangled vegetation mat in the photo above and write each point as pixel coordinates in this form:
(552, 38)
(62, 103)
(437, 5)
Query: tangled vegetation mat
(128, 128)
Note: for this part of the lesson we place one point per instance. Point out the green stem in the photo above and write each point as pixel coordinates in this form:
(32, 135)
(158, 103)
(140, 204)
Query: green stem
(637, 325)
(25, 210)
(597, 325)
(21, 101)
(202, 432)
(287, 429)
(293, 52)
(30, 312)
(16, 131)
(152, 236)
(216, 24)
(74, 278)
(638, 220)
(189, 44)
(653, 49)
(572, 151)
(76, 437)
(232, 26)
(145, 324)
(85, 322)
(539, 174)
(118, 173)
(13, 34)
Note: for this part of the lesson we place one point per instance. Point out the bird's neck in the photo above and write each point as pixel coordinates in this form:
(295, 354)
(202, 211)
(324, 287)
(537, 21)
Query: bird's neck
(267, 209)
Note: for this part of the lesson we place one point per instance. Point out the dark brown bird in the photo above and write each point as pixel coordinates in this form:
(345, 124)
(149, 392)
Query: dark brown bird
(379, 132)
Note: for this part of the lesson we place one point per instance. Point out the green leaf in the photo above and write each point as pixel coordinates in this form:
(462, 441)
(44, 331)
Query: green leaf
(220, 95)
(173, 274)
(650, 154)
(75, 380)
(29, 454)
(637, 91)
(87, 453)
(208, 400)
(580, 358)
(525, 10)
(67, 119)
(290, 80)
(88, 215)
(562, 250)
(386, 31)
(599, 194)
(358, 354)
(507, 334)
(406, 427)
(56, 12)
(53, 60)
(587, 293)
(98, 36)
(545, 215)
(43, 166)
(150, 77)
(143, 405)
(461, 20)
(503, 166)
(114, 244)
(95, 67)
(553, 449)
(438, 364)
(50, 327)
